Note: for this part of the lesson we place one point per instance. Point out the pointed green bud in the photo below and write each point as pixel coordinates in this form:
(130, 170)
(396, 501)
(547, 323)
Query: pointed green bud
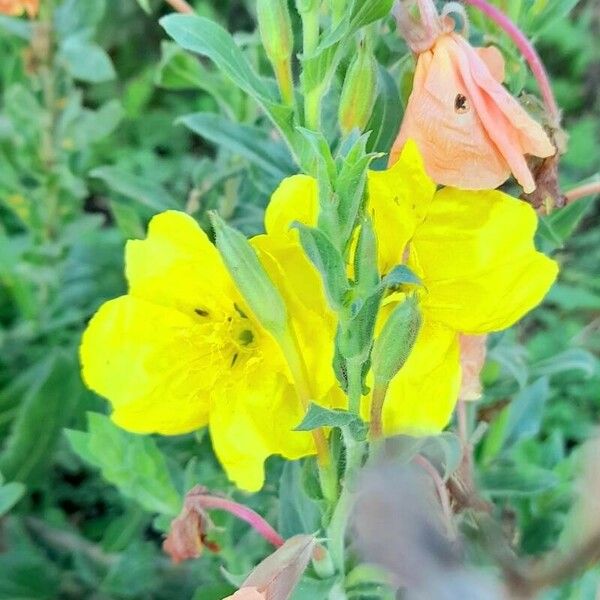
(395, 342)
(277, 37)
(251, 279)
(359, 92)
(275, 27)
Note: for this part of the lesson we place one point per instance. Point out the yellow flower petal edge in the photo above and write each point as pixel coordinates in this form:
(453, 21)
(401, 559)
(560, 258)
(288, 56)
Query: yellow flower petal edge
(399, 199)
(296, 199)
(475, 252)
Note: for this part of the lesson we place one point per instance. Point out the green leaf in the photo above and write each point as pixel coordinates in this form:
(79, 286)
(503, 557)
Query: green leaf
(43, 412)
(297, 512)
(133, 463)
(318, 416)
(250, 142)
(19, 27)
(400, 275)
(127, 219)
(77, 17)
(10, 494)
(387, 115)
(565, 221)
(86, 61)
(509, 480)
(205, 37)
(328, 261)
(147, 193)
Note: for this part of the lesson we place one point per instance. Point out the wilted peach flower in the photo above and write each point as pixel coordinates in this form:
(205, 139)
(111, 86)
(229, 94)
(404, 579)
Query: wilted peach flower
(472, 133)
(16, 8)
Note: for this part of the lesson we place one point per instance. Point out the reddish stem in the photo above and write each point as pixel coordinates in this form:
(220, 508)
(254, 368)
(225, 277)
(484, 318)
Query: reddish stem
(244, 513)
(589, 189)
(528, 51)
(181, 6)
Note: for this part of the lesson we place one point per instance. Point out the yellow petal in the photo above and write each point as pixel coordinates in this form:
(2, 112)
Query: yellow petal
(177, 266)
(296, 199)
(475, 252)
(422, 396)
(398, 201)
(254, 420)
(143, 359)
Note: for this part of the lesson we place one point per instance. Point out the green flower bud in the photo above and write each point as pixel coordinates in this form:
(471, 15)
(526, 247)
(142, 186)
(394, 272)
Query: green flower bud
(359, 92)
(395, 342)
(252, 280)
(275, 29)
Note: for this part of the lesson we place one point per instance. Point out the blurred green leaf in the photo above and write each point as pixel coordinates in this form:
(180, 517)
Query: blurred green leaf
(10, 494)
(317, 416)
(133, 463)
(511, 480)
(86, 61)
(297, 512)
(139, 189)
(250, 142)
(44, 411)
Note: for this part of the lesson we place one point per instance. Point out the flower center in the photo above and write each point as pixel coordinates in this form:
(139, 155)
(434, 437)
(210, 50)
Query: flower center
(230, 336)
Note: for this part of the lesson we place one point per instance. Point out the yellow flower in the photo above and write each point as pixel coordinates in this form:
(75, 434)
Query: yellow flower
(181, 350)
(475, 255)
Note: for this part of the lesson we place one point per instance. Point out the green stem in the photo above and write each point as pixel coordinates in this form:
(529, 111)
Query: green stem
(354, 367)
(338, 525)
(291, 350)
(286, 82)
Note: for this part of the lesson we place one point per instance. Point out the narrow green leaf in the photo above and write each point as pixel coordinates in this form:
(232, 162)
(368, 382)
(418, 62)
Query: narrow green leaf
(250, 142)
(141, 190)
(328, 261)
(318, 416)
(10, 494)
(400, 275)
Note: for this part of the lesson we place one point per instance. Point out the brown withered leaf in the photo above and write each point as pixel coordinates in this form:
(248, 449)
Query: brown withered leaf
(187, 535)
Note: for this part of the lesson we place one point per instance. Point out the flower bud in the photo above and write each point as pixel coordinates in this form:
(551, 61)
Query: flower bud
(395, 342)
(251, 279)
(359, 92)
(275, 29)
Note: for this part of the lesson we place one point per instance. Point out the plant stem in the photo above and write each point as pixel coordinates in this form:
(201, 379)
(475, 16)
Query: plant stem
(241, 512)
(354, 366)
(291, 350)
(376, 425)
(582, 191)
(338, 525)
(181, 6)
(528, 51)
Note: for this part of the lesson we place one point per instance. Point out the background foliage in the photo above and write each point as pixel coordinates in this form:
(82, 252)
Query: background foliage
(105, 122)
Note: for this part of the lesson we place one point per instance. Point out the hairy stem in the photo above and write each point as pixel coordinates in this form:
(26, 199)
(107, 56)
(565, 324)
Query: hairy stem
(582, 191)
(244, 513)
(527, 50)
(376, 425)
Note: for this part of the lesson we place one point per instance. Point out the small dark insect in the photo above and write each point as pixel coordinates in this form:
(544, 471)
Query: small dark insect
(240, 311)
(234, 360)
(460, 104)
(201, 312)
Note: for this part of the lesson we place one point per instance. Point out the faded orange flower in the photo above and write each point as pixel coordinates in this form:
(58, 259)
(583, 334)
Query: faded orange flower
(472, 133)
(16, 8)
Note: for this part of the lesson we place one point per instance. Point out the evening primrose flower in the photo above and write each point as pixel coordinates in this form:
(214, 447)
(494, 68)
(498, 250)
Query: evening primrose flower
(182, 350)
(475, 256)
(471, 131)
